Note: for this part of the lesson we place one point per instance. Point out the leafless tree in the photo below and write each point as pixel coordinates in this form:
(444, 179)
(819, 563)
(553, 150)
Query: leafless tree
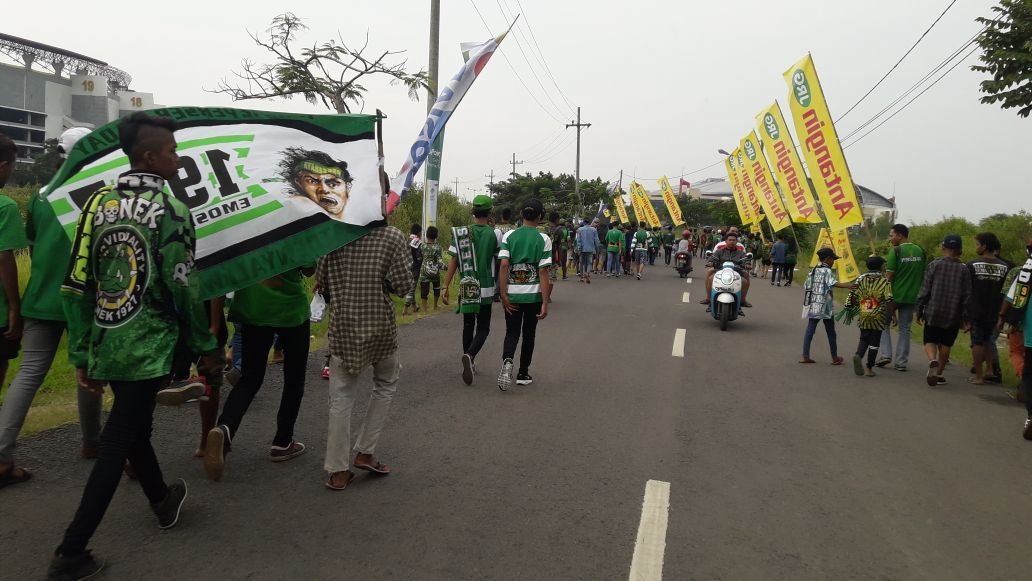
(327, 73)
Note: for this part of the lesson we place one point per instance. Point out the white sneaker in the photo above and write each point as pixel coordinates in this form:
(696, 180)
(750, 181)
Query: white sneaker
(505, 375)
(1027, 433)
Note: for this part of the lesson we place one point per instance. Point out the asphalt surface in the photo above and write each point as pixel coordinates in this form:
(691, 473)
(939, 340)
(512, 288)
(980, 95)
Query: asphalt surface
(776, 470)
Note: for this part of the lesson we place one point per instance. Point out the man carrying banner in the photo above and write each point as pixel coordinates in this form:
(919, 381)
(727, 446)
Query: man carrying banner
(473, 250)
(357, 281)
(124, 322)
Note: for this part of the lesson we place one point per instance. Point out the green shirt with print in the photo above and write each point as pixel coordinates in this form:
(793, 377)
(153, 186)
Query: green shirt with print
(613, 239)
(12, 237)
(907, 264)
(281, 301)
(433, 258)
(527, 251)
(641, 239)
(48, 240)
(485, 248)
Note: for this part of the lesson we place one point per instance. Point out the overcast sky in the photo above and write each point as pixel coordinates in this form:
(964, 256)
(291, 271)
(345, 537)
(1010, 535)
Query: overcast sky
(664, 83)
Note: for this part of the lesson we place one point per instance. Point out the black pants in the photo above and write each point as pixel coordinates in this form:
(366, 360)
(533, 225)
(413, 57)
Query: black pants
(787, 272)
(475, 329)
(257, 341)
(652, 256)
(668, 251)
(524, 321)
(1026, 379)
(870, 340)
(777, 272)
(126, 435)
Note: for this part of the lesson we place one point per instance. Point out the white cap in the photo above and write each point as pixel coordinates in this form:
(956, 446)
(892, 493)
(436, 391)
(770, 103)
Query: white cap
(68, 139)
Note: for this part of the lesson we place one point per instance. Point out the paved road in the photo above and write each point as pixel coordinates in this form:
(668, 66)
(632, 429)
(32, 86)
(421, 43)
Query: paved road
(775, 470)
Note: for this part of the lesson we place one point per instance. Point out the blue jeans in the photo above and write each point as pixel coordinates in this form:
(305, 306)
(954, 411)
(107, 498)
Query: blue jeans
(586, 261)
(901, 357)
(613, 262)
(811, 328)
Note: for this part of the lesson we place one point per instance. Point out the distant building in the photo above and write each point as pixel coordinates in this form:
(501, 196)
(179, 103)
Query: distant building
(872, 203)
(53, 89)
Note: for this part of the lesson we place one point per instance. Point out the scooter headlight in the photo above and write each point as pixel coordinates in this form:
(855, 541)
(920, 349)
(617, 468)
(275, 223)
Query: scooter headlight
(727, 278)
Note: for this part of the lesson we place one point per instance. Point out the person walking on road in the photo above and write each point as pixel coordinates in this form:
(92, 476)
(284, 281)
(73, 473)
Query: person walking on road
(415, 244)
(473, 250)
(357, 281)
(12, 238)
(130, 344)
(1012, 319)
(432, 261)
(668, 241)
(642, 241)
(587, 239)
(1016, 313)
(777, 258)
(942, 305)
(44, 324)
(905, 270)
(868, 301)
(614, 250)
(819, 304)
(987, 274)
(277, 306)
(526, 257)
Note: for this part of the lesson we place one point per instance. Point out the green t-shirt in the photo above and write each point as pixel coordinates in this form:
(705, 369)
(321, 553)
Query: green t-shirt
(907, 265)
(12, 237)
(527, 250)
(485, 248)
(641, 240)
(49, 244)
(132, 298)
(432, 262)
(613, 239)
(667, 238)
(280, 301)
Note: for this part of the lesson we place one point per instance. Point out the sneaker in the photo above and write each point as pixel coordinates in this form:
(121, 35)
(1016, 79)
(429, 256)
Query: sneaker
(467, 369)
(899, 368)
(1027, 432)
(181, 393)
(639, 276)
(215, 453)
(505, 375)
(82, 566)
(940, 380)
(326, 372)
(524, 379)
(858, 365)
(932, 378)
(168, 509)
(882, 362)
(288, 452)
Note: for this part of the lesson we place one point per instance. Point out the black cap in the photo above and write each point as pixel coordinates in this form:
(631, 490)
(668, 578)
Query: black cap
(826, 253)
(952, 242)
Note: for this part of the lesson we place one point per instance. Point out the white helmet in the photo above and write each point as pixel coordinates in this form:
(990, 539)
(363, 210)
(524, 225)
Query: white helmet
(68, 139)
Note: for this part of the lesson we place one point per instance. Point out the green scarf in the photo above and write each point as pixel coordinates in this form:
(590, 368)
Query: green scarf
(1023, 286)
(469, 284)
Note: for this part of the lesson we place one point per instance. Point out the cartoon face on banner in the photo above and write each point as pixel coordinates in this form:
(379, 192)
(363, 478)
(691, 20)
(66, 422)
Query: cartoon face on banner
(318, 177)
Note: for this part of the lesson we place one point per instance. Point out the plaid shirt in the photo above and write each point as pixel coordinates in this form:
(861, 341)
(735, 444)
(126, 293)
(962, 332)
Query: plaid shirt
(357, 281)
(945, 292)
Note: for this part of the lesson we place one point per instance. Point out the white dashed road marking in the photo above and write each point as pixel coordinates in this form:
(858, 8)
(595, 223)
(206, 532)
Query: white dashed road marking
(685, 298)
(689, 280)
(678, 350)
(650, 545)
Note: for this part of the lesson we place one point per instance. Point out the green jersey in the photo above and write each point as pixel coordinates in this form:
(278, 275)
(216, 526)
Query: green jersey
(641, 239)
(667, 238)
(613, 239)
(129, 296)
(46, 239)
(907, 265)
(527, 251)
(280, 301)
(485, 248)
(432, 262)
(12, 237)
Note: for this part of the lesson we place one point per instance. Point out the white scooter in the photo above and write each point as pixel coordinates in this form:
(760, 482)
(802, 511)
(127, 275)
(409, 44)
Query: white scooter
(726, 293)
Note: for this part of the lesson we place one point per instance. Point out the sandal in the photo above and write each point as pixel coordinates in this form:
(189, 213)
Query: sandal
(330, 484)
(807, 360)
(12, 477)
(376, 467)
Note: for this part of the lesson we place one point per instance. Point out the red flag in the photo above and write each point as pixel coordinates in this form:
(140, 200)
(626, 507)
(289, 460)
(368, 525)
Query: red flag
(685, 184)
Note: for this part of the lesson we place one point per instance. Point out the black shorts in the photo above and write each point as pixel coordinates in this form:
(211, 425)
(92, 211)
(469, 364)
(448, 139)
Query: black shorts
(940, 335)
(424, 288)
(8, 349)
(982, 332)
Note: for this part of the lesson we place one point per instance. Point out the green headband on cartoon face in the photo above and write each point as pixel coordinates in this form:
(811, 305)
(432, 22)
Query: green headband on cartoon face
(320, 169)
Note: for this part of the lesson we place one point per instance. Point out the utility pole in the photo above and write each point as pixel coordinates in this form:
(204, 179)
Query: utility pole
(456, 189)
(576, 184)
(514, 164)
(491, 175)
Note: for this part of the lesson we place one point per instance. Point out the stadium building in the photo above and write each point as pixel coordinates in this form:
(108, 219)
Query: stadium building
(46, 90)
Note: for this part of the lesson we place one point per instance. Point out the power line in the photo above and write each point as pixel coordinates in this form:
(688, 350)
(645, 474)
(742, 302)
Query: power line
(685, 174)
(925, 33)
(915, 86)
(561, 146)
(900, 110)
(543, 61)
(513, 69)
(519, 45)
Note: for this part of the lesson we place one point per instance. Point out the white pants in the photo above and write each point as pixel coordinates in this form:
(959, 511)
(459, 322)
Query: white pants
(342, 400)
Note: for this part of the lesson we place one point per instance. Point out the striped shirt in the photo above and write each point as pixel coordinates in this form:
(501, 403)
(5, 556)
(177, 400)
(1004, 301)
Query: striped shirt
(527, 250)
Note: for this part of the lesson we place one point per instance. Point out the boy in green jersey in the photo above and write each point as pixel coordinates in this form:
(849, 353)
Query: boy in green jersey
(430, 269)
(129, 297)
(526, 257)
(44, 324)
(484, 240)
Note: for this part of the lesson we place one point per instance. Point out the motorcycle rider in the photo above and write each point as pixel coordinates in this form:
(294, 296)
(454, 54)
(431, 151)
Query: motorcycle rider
(734, 252)
(685, 244)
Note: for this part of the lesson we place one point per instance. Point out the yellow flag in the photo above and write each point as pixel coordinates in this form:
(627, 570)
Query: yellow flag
(736, 190)
(748, 188)
(648, 211)
(670, 201)
(846, 264)
(767, 193)
(821, 147)
(621, 210)
(823, 241)
(787, 165)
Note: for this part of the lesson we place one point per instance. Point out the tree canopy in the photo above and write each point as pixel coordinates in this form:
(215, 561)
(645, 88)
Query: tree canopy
(1007, 56)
